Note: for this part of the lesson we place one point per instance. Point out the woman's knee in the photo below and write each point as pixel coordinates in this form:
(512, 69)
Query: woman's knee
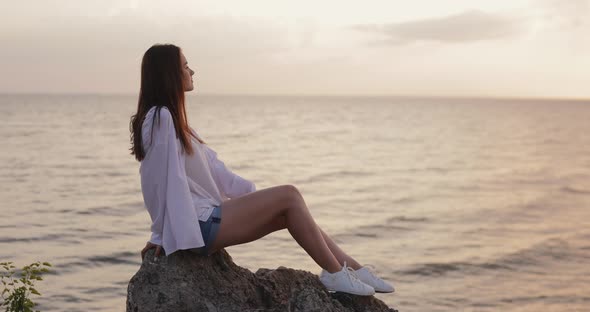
(290, 190)
(291, 194)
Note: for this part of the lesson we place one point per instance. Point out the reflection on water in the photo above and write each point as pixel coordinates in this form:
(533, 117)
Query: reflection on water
(463, 204)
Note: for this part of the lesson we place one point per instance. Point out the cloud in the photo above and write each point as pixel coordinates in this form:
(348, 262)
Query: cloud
(469, 26)
(565, 14)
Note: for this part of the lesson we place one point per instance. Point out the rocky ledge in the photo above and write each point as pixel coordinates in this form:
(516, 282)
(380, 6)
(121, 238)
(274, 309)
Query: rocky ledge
(186, 282)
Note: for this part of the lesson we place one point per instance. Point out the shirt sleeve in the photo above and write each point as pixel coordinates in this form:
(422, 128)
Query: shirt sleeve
(156, 238)
(230, 184)
(166, 192)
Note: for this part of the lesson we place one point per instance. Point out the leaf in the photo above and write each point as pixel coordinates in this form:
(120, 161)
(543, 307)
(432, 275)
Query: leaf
(34, 291)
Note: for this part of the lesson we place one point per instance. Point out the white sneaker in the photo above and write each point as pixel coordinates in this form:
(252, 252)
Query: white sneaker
(346, 281)
(367, 277)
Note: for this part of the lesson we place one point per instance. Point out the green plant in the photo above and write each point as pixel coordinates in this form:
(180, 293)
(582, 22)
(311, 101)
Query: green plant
(17, 298)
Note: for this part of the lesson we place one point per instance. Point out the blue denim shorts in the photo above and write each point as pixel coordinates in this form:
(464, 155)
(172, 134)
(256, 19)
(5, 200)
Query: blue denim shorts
(209, 229)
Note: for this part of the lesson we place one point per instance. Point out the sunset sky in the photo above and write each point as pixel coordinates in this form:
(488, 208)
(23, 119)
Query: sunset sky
(500, 48)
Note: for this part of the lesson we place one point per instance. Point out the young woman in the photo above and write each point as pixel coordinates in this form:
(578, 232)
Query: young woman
(196, 203)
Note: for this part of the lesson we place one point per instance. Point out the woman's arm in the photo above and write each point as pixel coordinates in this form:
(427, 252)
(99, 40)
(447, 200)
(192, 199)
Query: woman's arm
(166, 192)
(229, 183)
(156, 238)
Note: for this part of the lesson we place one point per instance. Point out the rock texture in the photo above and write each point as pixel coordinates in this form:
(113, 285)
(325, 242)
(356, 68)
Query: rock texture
(186, 282)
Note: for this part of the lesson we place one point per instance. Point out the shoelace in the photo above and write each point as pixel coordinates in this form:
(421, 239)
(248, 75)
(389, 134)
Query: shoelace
(352, 278)
(371, 268)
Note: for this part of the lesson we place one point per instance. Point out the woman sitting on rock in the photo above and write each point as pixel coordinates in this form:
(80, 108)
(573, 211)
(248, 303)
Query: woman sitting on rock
(186, 188)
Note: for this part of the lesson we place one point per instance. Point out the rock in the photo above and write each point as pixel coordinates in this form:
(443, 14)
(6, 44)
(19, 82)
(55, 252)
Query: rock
(186, 282)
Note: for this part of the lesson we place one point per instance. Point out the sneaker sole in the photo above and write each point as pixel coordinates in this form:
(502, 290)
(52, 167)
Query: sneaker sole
(349, 293)
(384, 292)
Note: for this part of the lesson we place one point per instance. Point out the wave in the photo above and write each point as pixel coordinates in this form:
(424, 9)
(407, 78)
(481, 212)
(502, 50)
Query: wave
(124, 258)
(547, 299)
(108, 291)
(393, 224)
(335, 174)
(68, 298)
(123, 209)
(437, 269)
(572, 190)
(533, 259)
(407, 219)
(50, 237)
(239, 167)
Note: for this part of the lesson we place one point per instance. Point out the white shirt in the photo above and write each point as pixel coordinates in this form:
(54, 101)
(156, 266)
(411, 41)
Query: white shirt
(180, 189)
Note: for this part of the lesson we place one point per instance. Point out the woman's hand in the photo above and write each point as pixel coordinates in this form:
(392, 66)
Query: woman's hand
(149, 246)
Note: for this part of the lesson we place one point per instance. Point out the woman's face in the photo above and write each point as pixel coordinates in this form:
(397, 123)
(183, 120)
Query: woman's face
(187, 73)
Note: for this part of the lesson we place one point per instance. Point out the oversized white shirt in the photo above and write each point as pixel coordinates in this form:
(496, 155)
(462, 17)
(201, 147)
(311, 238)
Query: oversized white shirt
(180, 189)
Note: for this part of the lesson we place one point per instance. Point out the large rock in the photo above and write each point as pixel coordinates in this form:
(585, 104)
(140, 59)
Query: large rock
(186, 282)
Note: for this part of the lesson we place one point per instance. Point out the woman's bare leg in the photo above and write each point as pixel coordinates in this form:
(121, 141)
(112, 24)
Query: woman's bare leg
(252, 216)
(339, 253)
(280, 223)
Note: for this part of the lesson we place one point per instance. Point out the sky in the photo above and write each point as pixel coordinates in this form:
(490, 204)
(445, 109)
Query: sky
(482, 48)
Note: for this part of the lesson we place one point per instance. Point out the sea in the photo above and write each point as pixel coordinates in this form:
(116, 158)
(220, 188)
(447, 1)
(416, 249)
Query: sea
(463, 204)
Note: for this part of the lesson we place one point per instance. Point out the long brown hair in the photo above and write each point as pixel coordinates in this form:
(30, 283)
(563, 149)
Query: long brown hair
(161, 86)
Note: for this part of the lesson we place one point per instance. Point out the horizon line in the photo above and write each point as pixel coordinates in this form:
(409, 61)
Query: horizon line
(410, 96)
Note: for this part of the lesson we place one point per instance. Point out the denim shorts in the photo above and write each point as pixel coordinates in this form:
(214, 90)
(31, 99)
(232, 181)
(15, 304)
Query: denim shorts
(209, 229)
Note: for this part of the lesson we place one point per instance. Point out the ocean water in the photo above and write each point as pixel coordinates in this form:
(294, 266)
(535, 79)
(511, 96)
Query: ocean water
(464, 204)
